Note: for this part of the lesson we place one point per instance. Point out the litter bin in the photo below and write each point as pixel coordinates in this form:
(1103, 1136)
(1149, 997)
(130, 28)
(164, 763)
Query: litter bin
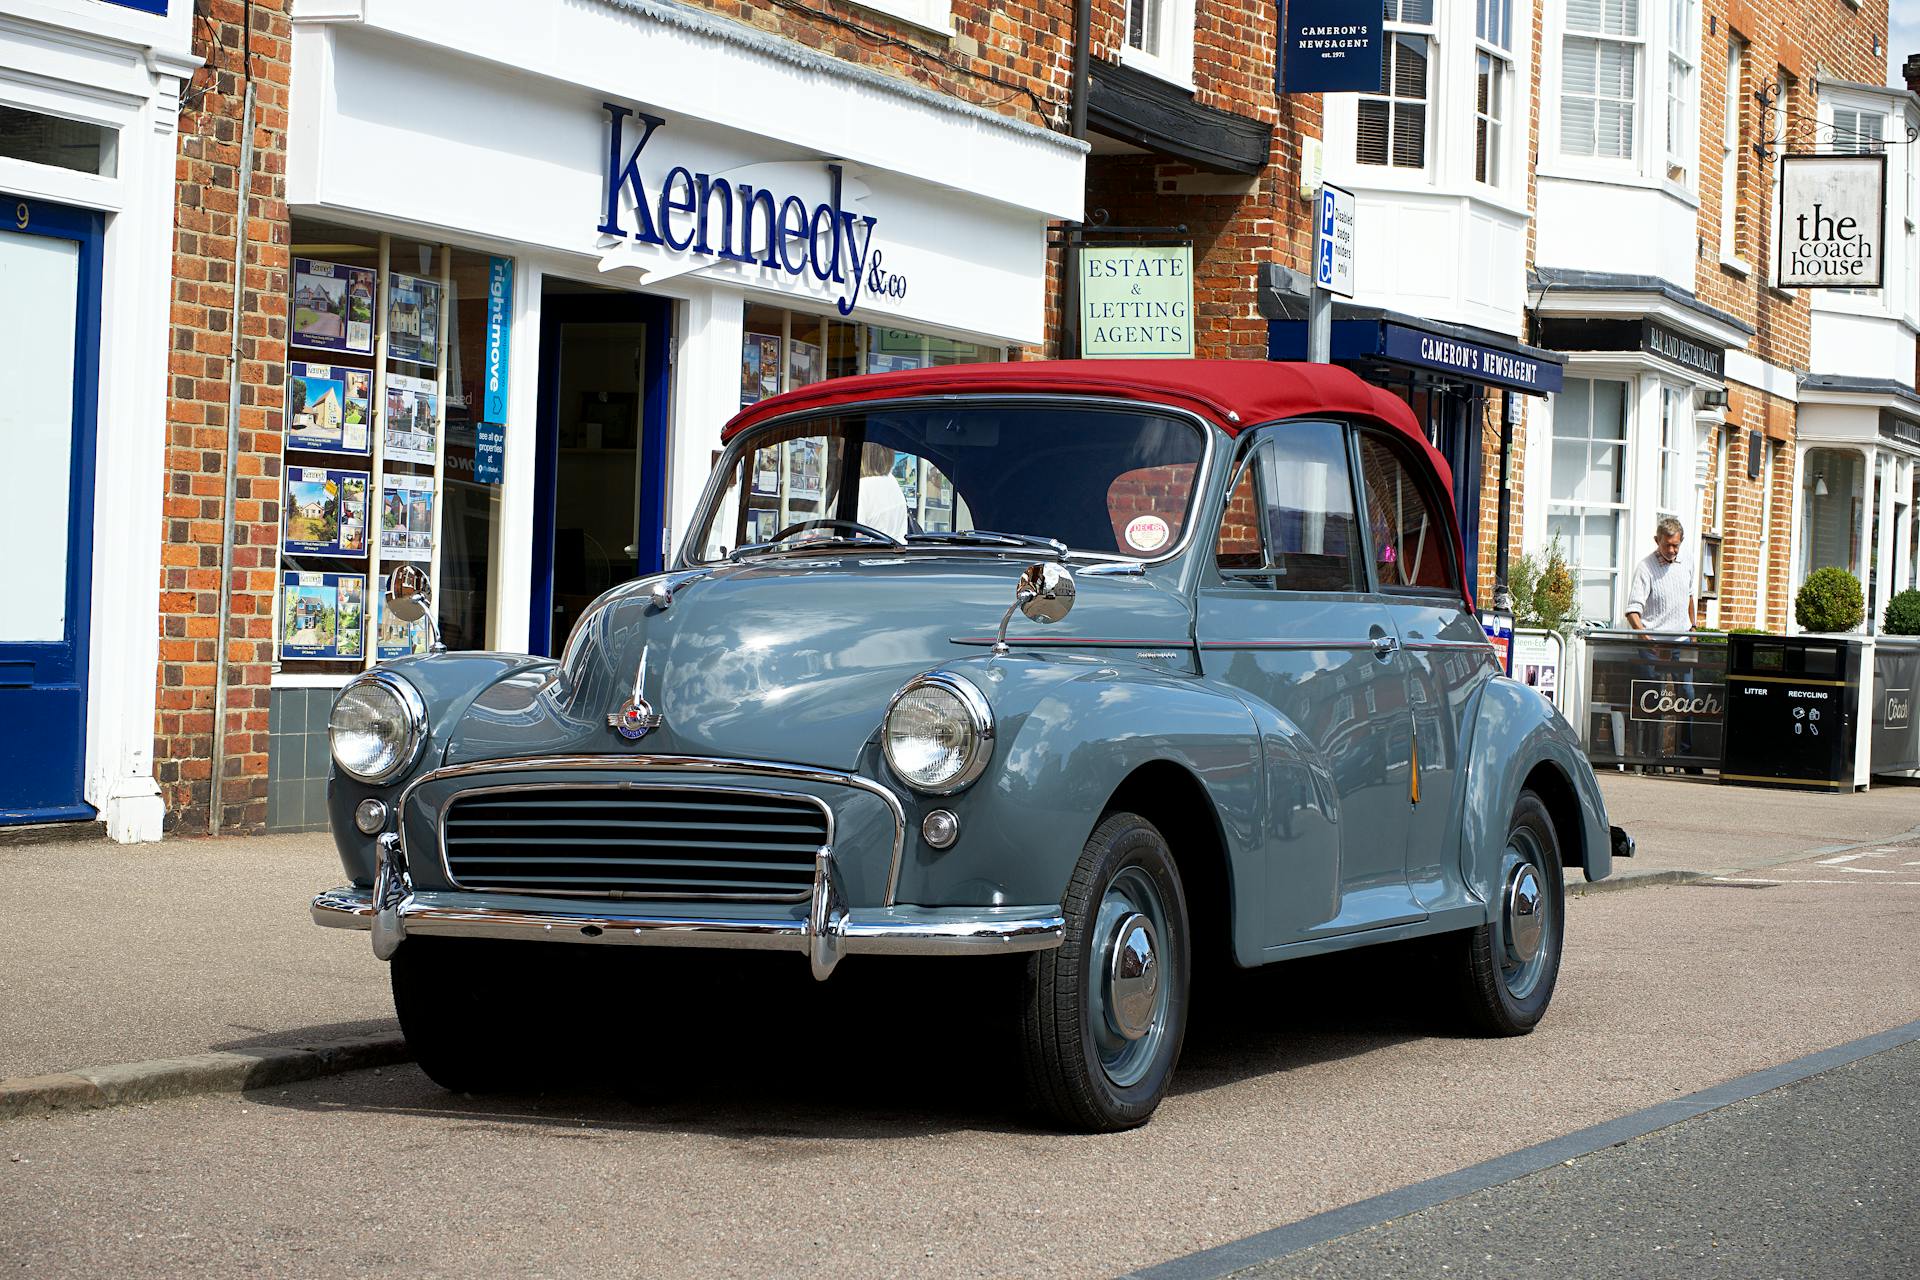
(1793, 711)
(1896, 676)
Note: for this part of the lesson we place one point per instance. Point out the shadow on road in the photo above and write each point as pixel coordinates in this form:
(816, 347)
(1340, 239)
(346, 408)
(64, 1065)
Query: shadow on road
(749, 1047)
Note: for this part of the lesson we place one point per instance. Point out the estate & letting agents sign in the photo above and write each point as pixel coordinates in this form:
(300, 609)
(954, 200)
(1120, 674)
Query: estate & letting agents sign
(1833, 222)
(1331, 46)
(1136, 301)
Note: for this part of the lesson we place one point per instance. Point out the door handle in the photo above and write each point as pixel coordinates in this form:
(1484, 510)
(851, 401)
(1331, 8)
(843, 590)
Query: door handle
(1385, 647)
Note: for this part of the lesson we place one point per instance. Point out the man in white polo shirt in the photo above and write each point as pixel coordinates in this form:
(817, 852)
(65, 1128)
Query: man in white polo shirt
(1660, 598)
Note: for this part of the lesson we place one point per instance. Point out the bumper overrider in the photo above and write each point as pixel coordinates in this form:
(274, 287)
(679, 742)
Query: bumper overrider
(823, 928)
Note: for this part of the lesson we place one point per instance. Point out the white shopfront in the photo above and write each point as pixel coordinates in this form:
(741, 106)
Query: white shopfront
(631, 217)
(90, 96)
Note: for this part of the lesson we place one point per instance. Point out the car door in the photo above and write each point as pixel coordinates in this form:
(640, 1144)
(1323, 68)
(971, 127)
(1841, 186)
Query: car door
(1285, 619)
(1445, 655)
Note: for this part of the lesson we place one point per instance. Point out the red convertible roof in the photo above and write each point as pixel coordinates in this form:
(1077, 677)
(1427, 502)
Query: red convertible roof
(1231, 394)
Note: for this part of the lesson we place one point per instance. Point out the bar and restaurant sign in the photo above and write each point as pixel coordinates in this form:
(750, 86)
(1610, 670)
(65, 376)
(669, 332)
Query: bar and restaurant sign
(1833, 222)
(1136, 301)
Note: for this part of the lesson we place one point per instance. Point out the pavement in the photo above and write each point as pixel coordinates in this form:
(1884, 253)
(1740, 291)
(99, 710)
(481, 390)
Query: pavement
(236, 987)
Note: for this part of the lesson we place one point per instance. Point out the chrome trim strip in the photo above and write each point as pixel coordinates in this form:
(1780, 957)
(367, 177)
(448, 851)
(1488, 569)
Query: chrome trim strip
(1356, 646)
(688, 764)
(446, 862)
(1072, 642)
(900, 931)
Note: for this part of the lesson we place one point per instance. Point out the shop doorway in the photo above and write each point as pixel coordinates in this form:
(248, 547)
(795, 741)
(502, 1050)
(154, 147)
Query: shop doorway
(49, 365)
(599, 514)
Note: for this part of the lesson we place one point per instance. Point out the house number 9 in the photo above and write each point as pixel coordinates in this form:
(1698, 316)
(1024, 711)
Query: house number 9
(21, 215)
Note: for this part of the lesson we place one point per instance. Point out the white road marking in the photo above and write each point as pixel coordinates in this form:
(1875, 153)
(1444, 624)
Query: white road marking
(1748, 880)
(1834, 862)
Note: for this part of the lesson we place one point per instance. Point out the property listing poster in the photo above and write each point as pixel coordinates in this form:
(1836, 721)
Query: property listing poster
(327, 409)
(759, 367)
(406, 517)
(326, 512)
(333, 306)
(395, 638)
(323, 615)
(413, 414)
(413, 319)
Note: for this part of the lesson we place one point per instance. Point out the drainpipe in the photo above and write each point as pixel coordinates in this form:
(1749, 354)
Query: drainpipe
(243, 187)
(1077, 127)
(1509, 410)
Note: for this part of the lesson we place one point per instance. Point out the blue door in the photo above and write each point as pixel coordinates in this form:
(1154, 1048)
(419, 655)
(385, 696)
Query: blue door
(49, 362)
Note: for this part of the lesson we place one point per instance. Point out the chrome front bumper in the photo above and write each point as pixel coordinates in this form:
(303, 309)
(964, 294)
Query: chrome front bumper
(393, 911)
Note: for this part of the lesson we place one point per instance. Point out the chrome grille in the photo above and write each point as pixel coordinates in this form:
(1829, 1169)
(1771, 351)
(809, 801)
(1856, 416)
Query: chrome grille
(635, 842)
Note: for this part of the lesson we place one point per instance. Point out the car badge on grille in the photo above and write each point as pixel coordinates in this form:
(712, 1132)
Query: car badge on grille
(636, 717)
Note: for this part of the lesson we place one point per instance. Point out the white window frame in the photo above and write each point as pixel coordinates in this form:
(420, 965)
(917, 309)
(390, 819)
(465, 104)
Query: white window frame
(1676, 407)
(1738, 51)
(1497, 118)
(1639, 43)
(1174, 62)
(1583, 510)
(1682, 153)
(1430, 105)
(934, 15)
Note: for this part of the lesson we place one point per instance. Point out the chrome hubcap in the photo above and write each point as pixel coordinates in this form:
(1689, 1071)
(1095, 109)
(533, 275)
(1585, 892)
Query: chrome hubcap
(1526, 926)
(1134, 977)
(1130, 984)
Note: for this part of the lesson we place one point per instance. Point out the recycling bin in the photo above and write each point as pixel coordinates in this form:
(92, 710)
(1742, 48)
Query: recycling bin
(1793, 711)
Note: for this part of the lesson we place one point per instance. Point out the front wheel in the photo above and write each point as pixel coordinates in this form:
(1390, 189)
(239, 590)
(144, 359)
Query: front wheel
(463, 1008)
(1508, 967)
(1106, 1012)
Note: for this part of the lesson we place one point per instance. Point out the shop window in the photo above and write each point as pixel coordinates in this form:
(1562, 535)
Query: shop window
(1683, 33)
(1599, 78)
(781, 350)
(1587, 488)
(1290, 525)
(1493, 74)
(382, 400)
(1393, 123)
(1409, 540)
(1833, 489)
(57, 141)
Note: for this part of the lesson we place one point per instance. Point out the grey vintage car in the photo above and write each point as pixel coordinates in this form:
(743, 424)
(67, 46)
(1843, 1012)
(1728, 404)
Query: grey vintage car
(1112, 667)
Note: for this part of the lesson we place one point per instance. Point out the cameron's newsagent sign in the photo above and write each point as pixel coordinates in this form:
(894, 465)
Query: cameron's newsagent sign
(1833, 222)
(714, 218)
(1136, 301)
(1331, 46)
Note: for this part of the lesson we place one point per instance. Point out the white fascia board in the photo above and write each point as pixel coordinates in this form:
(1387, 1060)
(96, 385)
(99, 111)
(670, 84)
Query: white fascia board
(91, 27)
(682, 62)
(1611, 304)
(1752, 371)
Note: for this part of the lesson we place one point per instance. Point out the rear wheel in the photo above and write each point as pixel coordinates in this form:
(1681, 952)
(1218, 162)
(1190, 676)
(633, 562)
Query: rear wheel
(1508, 966)
(1106, 1012)
(463, 1007)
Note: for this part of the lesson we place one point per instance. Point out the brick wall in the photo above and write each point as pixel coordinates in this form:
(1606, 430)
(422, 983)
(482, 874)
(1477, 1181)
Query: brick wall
(206, 219)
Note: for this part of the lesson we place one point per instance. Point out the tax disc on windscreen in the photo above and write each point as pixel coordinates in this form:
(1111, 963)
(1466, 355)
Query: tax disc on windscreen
(1147, 533)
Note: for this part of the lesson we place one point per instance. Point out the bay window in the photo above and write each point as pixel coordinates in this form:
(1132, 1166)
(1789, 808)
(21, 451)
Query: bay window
(1493, 73)
(1683, 28)
(1587, 487)
(1393, 122)
(1599, 78)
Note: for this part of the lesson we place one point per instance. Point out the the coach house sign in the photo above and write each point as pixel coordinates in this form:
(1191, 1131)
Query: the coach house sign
(1833, 222)
(737, 216)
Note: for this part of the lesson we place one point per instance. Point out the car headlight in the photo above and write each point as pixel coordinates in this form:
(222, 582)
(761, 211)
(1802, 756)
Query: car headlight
(377, 727)
(938, 733)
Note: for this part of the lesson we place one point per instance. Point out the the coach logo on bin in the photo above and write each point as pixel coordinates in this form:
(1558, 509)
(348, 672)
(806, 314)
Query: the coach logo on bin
(729, 220)
(1676, 700)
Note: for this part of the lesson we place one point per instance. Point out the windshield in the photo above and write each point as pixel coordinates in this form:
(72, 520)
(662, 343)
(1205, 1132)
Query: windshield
(1102, 481)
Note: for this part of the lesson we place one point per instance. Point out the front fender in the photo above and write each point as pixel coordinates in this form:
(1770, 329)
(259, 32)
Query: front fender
(1515, 733)
(1071, 730)
(448, 684)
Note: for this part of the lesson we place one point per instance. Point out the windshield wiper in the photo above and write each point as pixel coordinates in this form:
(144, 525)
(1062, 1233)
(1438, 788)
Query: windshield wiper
(815, 544)
(992, 538)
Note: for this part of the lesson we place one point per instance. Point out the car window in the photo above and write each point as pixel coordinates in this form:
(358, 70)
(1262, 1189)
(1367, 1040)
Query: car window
(1409, 540)
(1289, 522)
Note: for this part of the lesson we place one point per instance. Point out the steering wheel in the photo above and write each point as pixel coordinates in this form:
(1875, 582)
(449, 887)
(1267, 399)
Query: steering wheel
(801, 526)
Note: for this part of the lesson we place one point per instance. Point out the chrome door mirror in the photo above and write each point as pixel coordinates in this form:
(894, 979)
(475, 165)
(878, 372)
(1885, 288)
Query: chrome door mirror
(410, 598)
(409, 593)
(1044, 593)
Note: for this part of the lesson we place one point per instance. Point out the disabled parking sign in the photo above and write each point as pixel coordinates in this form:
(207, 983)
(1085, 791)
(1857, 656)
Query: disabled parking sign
(1333, 241)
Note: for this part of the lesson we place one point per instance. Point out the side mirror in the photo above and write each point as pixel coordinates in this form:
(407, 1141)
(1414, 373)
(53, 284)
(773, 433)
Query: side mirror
(410, 598)
(1044, 593)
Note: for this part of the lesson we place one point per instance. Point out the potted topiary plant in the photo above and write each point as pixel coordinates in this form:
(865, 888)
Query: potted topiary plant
(1903, 614)
(1830, 601)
